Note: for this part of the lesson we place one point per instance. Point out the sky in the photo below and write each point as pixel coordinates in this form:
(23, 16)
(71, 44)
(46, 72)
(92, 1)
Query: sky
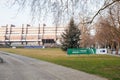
(11, 15)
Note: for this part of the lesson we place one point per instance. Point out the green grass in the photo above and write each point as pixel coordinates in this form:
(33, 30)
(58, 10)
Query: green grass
(101, 65)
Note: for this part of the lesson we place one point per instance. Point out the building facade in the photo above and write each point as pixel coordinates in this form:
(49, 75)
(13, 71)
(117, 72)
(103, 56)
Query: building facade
(29, 35)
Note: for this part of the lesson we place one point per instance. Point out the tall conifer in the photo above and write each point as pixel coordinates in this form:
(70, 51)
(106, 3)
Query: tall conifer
(71, 36)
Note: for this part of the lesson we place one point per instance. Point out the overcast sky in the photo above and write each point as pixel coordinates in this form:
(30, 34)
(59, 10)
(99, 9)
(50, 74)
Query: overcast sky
(10, 15)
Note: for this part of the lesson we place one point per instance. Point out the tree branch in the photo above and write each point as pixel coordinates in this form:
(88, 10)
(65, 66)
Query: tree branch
(89, 22)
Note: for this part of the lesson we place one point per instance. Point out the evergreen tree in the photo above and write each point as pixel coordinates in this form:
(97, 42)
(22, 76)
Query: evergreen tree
(71, 36)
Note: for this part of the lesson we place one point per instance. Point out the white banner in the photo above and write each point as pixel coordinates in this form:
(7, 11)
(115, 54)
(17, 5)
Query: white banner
(101, 51)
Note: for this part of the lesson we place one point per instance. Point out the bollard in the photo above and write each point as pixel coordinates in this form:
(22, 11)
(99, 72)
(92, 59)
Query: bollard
(1, 60)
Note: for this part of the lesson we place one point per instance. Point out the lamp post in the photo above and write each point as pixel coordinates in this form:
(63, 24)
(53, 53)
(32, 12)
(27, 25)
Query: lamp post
(39, 34)
(10, 33)
(22, 35)
(26, 33)
(43, 40)
(6, 35)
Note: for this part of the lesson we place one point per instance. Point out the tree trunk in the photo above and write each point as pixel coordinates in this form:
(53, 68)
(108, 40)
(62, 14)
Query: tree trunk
(117, 49)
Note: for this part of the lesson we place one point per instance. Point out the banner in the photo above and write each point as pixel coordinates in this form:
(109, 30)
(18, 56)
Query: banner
(81, 51)
(101, 51)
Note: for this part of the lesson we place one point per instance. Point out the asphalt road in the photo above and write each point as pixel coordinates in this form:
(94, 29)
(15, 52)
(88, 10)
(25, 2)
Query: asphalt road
(16, 67)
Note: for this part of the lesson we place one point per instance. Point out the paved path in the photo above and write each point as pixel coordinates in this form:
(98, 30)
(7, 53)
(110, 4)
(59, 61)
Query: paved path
(18, 67)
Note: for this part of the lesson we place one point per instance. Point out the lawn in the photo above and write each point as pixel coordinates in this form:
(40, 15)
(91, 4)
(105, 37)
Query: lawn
(101, 65)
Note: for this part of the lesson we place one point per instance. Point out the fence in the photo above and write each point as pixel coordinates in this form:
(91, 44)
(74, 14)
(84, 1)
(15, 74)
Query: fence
(33, 46)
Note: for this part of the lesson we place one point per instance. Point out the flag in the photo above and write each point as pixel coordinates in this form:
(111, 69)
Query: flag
(28, 24)
(12, 25)
(44, 24)
(3, 26)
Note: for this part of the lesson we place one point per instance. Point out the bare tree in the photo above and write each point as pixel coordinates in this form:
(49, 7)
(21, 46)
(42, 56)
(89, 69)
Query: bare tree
(68, 8)
(107, 4)
(114, 20)
(108, 30)
(104, 33)
(86, 38)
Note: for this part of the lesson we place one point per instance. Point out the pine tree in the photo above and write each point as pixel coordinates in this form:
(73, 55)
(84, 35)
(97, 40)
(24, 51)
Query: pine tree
(71, 36)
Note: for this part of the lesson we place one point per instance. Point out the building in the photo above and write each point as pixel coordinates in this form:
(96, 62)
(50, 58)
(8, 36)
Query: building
(29, 35)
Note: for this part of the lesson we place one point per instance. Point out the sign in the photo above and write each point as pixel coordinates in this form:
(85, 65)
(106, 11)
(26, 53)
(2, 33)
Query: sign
(101, 51)
(81, 51)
